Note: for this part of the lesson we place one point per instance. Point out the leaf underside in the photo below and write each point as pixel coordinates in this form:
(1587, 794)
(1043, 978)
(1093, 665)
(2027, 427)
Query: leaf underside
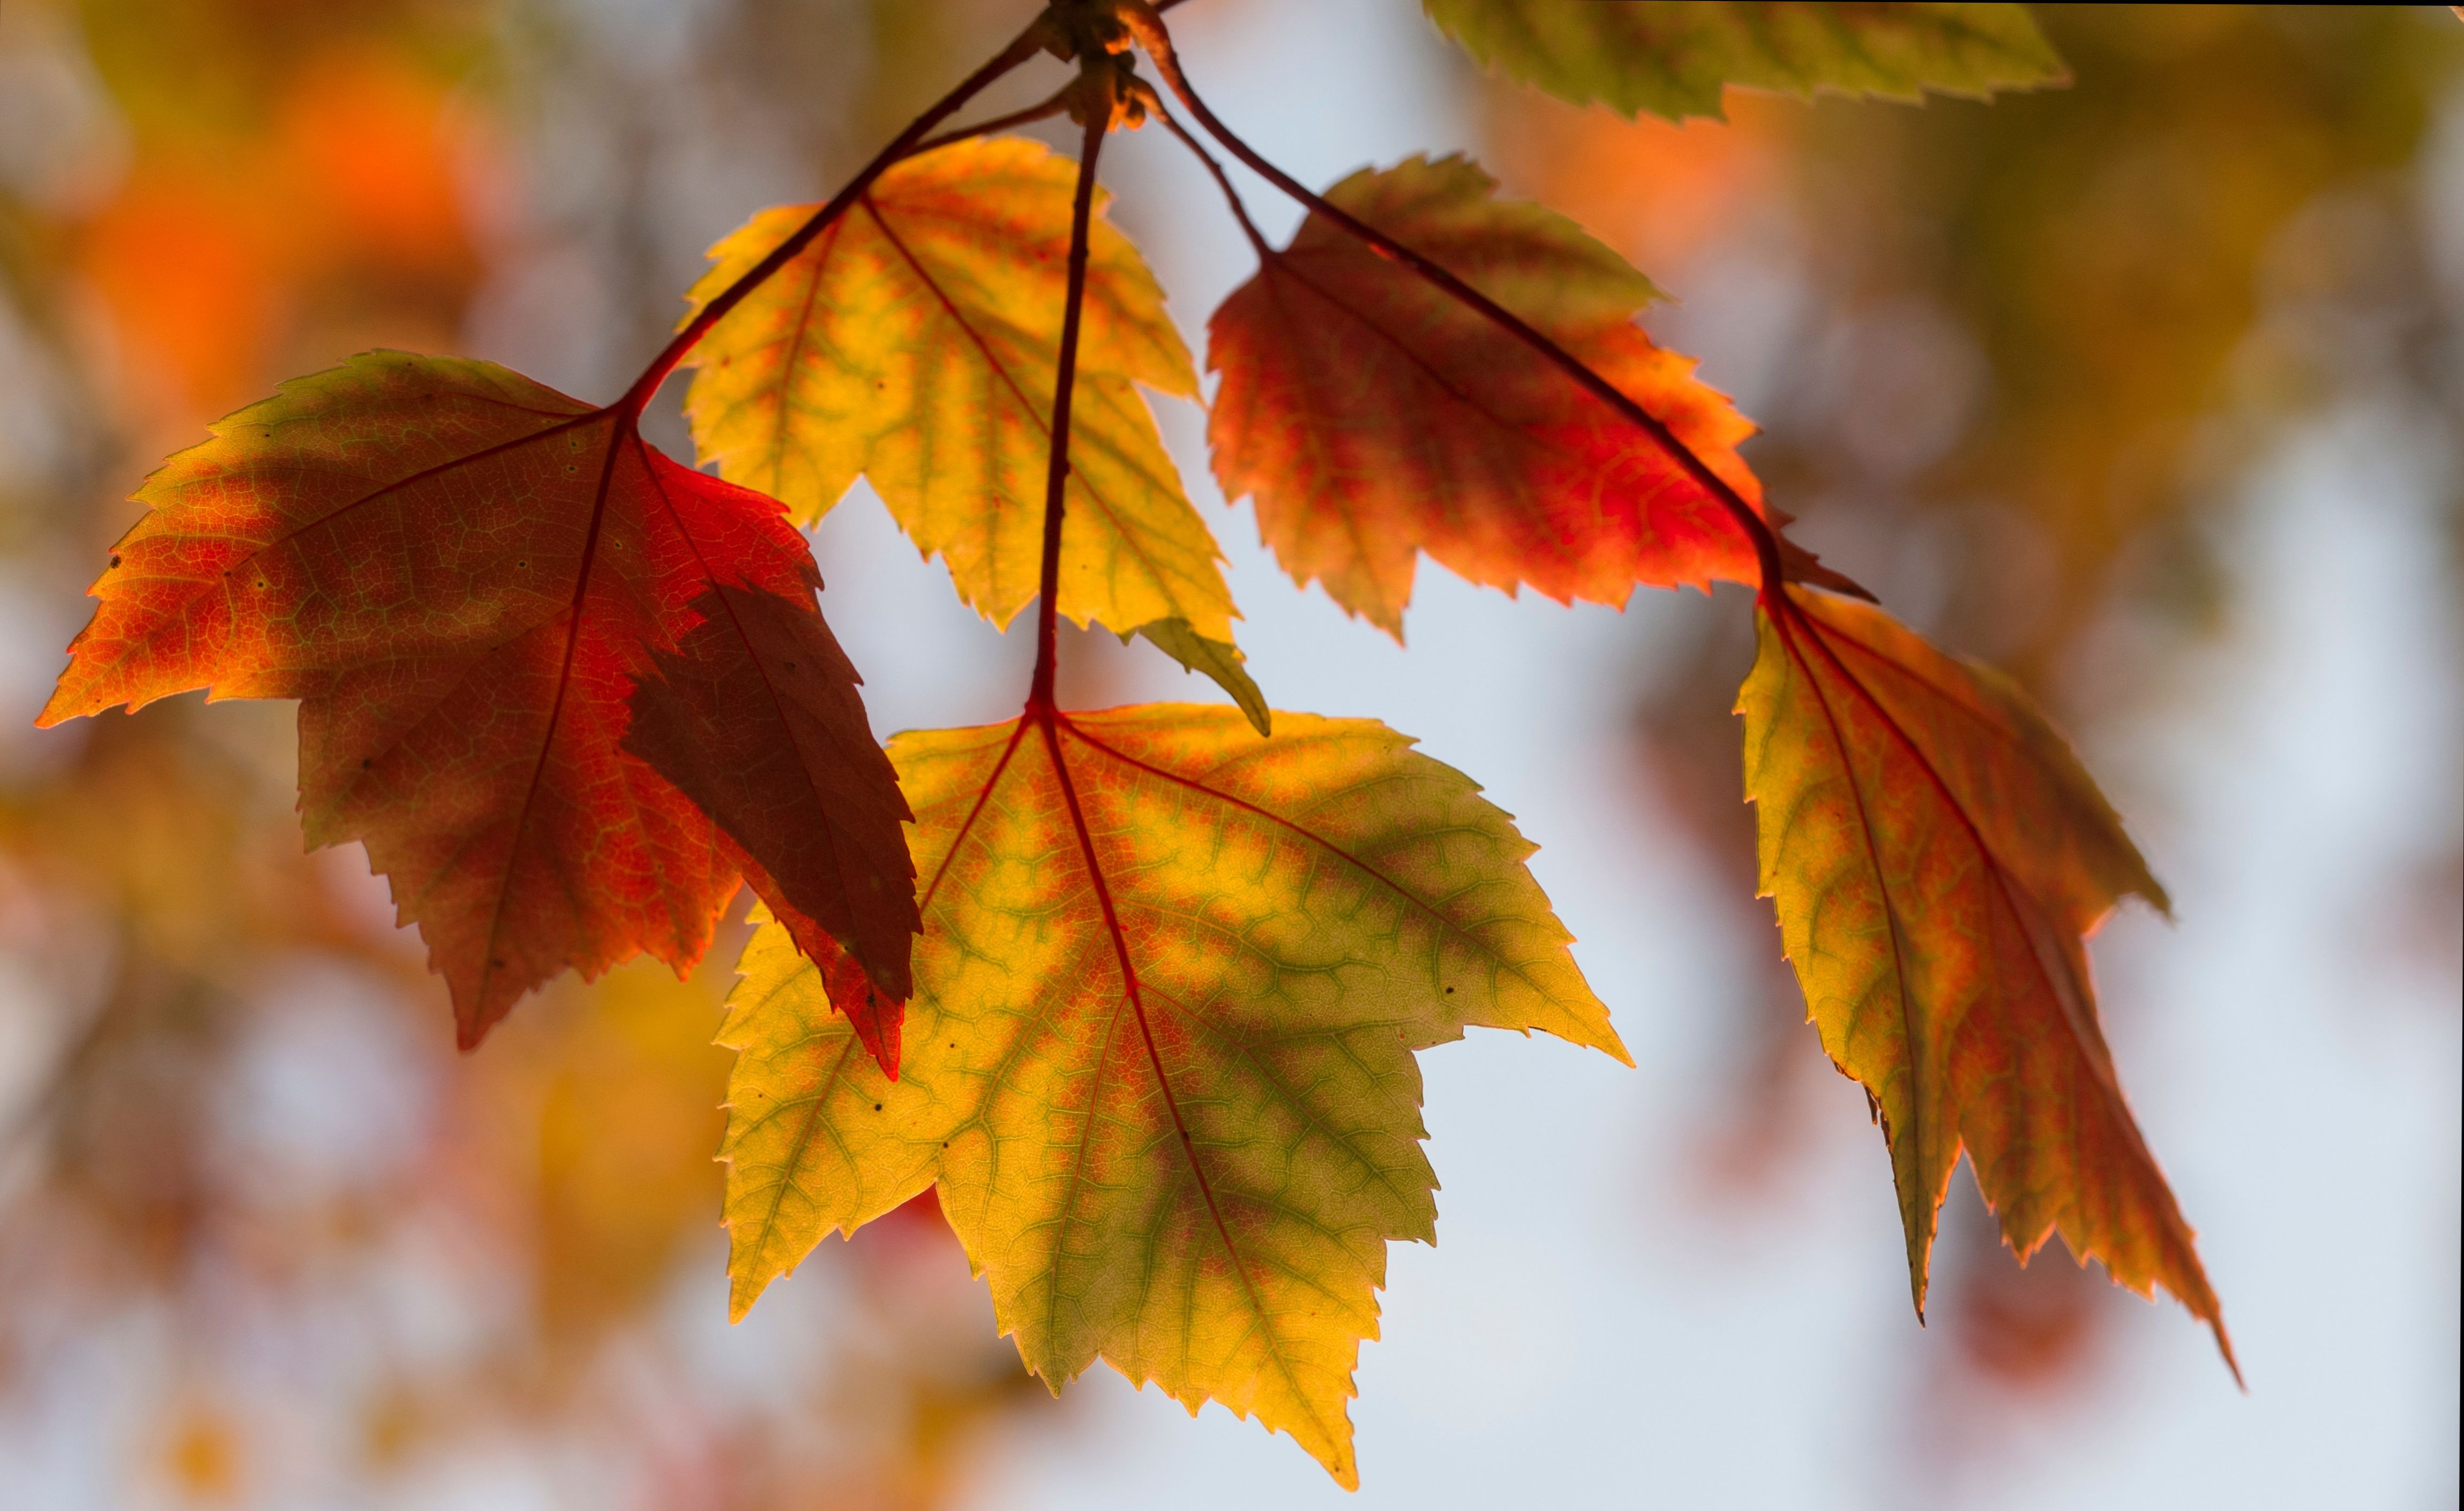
(1374, 418)
(1161, 1057)
(1673, 59)
(463, 575)
(1938, 857)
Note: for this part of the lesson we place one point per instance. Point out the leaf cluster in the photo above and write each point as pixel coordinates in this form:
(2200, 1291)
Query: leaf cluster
(1138, 993)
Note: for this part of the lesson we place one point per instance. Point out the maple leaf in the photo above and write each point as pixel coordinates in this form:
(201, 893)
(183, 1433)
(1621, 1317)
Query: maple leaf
(916, 343)
(1938, 857)
(464, 575)
(1160, 1056)
(1373, 416)
(1672, 59)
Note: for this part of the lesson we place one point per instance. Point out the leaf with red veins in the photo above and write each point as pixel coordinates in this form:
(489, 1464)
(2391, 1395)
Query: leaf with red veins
(1373, 416)
(462, 575)
(1161, 1059)
(1938, 857)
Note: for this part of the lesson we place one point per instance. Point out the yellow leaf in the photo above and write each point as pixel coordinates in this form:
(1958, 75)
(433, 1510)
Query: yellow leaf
(1160, 1056)
(1938, 857)
(915, 342)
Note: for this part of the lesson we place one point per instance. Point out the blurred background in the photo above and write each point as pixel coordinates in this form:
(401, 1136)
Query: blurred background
(2147, 390)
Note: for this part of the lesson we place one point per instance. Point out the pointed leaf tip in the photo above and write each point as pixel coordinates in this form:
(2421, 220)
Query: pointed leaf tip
(1221, 661)
(756, 717)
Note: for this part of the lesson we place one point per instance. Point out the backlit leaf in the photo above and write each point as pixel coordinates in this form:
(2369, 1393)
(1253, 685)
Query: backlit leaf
(1374, 418)
(916, 343)
(1938, 856)
(774, 746)
(463, 575)
(1160, 1059)
(1671, 59)
(1220, 661)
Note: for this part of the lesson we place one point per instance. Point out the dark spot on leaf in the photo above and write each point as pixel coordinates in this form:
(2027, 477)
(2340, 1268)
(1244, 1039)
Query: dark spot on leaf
(876, 1106)
(114, 558)
(366, 762)
(1450, 990)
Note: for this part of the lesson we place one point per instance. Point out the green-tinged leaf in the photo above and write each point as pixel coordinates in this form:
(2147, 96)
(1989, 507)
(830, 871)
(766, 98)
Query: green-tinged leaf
(1938, 857)
(1673, 58)
(1159, 1061)
(1219, 660)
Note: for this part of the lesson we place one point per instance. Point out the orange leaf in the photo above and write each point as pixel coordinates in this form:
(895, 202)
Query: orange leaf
(1372, 417)
(463, 575)
(1938, 856)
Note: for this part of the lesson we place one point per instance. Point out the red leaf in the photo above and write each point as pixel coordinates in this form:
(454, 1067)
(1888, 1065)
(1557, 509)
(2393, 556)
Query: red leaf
(462, 573)
(1373, 417)
(756, 717)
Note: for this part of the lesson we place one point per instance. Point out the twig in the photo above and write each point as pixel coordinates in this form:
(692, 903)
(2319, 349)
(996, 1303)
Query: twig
(1047, 632)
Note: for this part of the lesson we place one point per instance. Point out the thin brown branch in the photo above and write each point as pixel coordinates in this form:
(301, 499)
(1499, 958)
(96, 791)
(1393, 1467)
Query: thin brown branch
(1231, 196)
(1053, 106)
(1082, 212)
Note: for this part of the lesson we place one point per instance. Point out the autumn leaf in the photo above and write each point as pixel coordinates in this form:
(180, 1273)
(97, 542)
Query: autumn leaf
(1938, 856)
(1373, 417)
(1218, 659)
(463, 575)
(1672, 59)
(774, 747)
(916, 343)
(1159, 1057)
